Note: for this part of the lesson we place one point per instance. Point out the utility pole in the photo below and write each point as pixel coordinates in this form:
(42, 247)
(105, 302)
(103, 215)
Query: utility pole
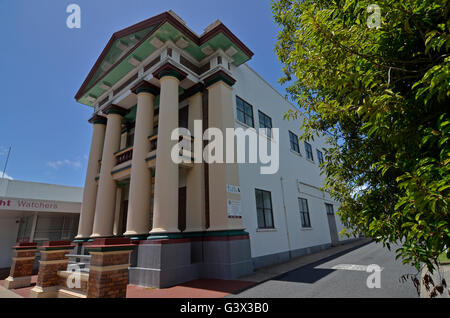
(6, 163)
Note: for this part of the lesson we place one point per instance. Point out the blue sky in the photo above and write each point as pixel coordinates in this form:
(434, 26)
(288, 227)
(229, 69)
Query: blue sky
(43, 63)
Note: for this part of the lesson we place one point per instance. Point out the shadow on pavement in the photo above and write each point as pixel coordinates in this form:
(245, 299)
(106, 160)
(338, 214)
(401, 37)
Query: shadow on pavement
(309, 274)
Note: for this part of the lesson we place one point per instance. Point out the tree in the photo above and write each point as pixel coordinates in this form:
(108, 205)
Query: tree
(382, 94)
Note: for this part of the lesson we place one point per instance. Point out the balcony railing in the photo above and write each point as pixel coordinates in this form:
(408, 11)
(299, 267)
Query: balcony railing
(153, 139)
(124, 155)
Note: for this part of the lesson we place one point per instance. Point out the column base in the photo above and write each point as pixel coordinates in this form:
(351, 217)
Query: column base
(44, 292)
(17, 282)
(136, 237)
(81, 239)
(164, 236)
(161, 231)
(163, 262)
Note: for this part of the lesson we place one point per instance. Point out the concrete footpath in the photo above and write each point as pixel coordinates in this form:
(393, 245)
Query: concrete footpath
(266, 273)
(5, 293)
(214, 288)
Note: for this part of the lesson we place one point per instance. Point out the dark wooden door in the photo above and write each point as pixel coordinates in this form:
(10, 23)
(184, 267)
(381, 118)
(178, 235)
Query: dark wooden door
(182, 209)
(124, 217)
(183, 117)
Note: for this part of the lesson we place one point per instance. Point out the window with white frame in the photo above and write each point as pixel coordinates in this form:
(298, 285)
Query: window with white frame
(309, 152)
(304, 213)
(329, 208)
(265, 122)
(293, 140)
(244, 112)
(320, 156)
(264, 209)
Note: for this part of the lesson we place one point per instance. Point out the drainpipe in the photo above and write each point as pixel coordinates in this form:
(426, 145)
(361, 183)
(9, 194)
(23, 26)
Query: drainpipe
(285, 217)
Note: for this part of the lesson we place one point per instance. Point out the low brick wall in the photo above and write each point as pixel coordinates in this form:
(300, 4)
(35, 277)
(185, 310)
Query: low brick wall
(108, 273)
(53, 260)
(22, 265)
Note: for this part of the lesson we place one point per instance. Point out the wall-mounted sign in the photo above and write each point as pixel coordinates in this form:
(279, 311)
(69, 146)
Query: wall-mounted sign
(234, 207)
(233, 189)
(16, 204)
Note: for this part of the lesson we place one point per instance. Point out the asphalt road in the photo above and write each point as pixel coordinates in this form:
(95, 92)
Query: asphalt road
(341, 275)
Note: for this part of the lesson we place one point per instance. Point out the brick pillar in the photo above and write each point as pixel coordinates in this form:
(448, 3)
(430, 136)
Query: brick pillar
(22, 265)
(53, 259)
(108, 272)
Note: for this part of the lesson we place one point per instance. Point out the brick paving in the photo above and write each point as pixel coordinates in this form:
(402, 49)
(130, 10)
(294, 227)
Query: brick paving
(202, 288)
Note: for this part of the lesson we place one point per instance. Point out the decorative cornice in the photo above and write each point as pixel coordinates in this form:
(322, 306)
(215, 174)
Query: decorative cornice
(146, 87)
(219, 76)
(158, 21)
(114, 109)
(168, 69)
(97, 119)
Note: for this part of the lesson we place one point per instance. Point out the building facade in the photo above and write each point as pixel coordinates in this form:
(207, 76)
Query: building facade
(36, 212)
(195, 219)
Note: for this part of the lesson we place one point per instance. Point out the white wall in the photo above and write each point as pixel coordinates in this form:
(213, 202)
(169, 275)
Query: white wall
(8, 234)
(39, 191)
(293, 168)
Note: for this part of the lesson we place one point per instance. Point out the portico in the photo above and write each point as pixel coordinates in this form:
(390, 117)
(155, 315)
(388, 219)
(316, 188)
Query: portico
(152, 78)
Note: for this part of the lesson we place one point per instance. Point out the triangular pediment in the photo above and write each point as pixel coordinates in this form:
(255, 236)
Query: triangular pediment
(128, 47)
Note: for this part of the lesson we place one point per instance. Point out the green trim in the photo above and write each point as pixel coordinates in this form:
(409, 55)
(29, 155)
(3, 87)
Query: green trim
(150, 158)
(121, 169)
(219, 77)
(123, 182)
(114, 109)
(109, 248)
(166, 31)
(170, 72)
(80, 240)
(97, 120)
(197, 88)
(25, 248)
(131, 116)
(165, 236)
(137, 237)
(147, 89)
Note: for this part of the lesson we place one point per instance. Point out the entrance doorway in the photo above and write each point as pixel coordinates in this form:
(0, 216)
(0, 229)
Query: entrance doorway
(332, 224)
(182, 209)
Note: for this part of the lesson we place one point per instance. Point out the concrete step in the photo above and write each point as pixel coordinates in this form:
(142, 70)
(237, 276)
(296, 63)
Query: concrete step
(69, 293)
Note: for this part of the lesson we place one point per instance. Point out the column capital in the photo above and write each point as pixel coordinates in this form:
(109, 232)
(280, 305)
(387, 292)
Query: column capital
(191, 91)
(145, 87)
(219, 76)
(114, 109)
(168, 69)
(97, 119)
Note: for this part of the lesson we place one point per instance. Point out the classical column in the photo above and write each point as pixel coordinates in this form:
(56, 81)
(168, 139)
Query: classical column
(195, 189)
(165, 215)
(106, 197)
(220, 115)
(90, 184)
(138, 220)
